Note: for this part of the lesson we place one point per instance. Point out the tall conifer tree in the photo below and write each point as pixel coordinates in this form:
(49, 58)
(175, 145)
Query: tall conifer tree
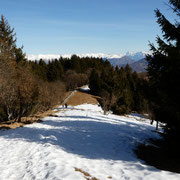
(8, 48)
(164, 73)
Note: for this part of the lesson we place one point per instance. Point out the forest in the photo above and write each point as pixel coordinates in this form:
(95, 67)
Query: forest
(31, 86)
(28, 87)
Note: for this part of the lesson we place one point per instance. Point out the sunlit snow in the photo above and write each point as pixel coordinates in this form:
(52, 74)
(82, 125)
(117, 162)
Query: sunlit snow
(78, 137)
(133, 55)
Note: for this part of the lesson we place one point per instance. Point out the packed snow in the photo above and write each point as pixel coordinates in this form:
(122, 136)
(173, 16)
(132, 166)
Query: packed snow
(79, 137)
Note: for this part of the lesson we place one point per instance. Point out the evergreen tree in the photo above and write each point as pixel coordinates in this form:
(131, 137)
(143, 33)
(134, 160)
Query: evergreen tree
(75, 63)
(20, 56)
(8, 49)
(95, 83)
(52, 74)
(42, 73)
(7, 37)
(164, 73)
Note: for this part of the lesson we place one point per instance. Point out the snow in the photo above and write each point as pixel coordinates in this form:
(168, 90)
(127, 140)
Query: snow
(136, 56)
(78, 137)
(85, 88)
(57, 56)
(133, 55)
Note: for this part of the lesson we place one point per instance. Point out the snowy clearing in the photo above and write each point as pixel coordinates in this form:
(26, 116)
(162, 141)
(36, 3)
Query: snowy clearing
(79, 137)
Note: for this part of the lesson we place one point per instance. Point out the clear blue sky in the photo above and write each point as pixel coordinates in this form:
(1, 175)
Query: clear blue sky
(83, 26)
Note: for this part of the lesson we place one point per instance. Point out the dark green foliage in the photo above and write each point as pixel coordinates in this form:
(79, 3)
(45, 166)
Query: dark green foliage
(95, 82)
(21, 93)
(74, 72)
(122, 91)
(164, 73)
(8, 48)
(52, 72)
(7, 38)
(19, 55)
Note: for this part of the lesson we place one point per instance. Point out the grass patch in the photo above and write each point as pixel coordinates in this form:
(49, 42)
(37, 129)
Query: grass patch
(87, 176)
(37, 118)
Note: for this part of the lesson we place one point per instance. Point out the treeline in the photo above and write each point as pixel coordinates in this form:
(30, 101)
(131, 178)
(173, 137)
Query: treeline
(22, 93)
(27, 87)
(74, 71)
(122, 90)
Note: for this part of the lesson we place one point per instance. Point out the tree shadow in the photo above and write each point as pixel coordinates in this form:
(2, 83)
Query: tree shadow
(89, 139)
(115, 120)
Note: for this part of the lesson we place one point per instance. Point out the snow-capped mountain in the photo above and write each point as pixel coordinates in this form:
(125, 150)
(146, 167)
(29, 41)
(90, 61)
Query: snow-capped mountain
(135, 56)
(120, 60)
(56, 56)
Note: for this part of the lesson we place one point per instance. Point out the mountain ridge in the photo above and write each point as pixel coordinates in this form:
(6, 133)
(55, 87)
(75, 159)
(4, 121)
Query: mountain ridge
(133, 55)
(136, 60)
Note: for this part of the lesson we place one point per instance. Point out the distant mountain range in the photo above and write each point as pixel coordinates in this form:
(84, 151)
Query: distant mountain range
(121, 61)
(136, 60)
(138, 66)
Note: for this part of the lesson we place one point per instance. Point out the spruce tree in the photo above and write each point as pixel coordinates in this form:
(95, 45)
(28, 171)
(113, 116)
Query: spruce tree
(8, 48)
(164, 73)
(7, 37)
(95, 82)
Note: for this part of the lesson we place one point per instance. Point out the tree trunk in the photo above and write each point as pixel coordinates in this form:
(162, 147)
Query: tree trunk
(157, 123)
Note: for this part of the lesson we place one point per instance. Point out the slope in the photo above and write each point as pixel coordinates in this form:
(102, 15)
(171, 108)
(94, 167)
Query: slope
(79, 142)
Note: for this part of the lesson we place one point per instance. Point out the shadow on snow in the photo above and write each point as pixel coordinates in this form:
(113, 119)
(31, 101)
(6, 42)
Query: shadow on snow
(87, 138)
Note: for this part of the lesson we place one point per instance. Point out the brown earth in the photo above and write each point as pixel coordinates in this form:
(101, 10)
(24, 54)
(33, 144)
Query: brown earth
(87, 176)
(81, 98)
(26, 120)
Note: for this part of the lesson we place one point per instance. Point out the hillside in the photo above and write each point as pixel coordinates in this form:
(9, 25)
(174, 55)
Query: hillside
(78, 142)
(138, 66)
(135, 59)
(121, 61)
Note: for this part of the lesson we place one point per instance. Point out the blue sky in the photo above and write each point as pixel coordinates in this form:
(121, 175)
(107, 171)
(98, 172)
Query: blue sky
(83, 26)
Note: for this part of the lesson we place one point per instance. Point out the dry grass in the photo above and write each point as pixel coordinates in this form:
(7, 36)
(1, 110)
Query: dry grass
(76, 99)
(26, 120)
(31, 119)
(87, 176)
(81, 98)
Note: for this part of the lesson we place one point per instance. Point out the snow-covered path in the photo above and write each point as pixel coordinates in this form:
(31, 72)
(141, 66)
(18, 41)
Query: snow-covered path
(79, 137)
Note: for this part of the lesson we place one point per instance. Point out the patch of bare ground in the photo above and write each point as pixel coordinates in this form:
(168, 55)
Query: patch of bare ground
(76, 99)
(87, 176)
(26, 120)
(31, 119)
(82, 98)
